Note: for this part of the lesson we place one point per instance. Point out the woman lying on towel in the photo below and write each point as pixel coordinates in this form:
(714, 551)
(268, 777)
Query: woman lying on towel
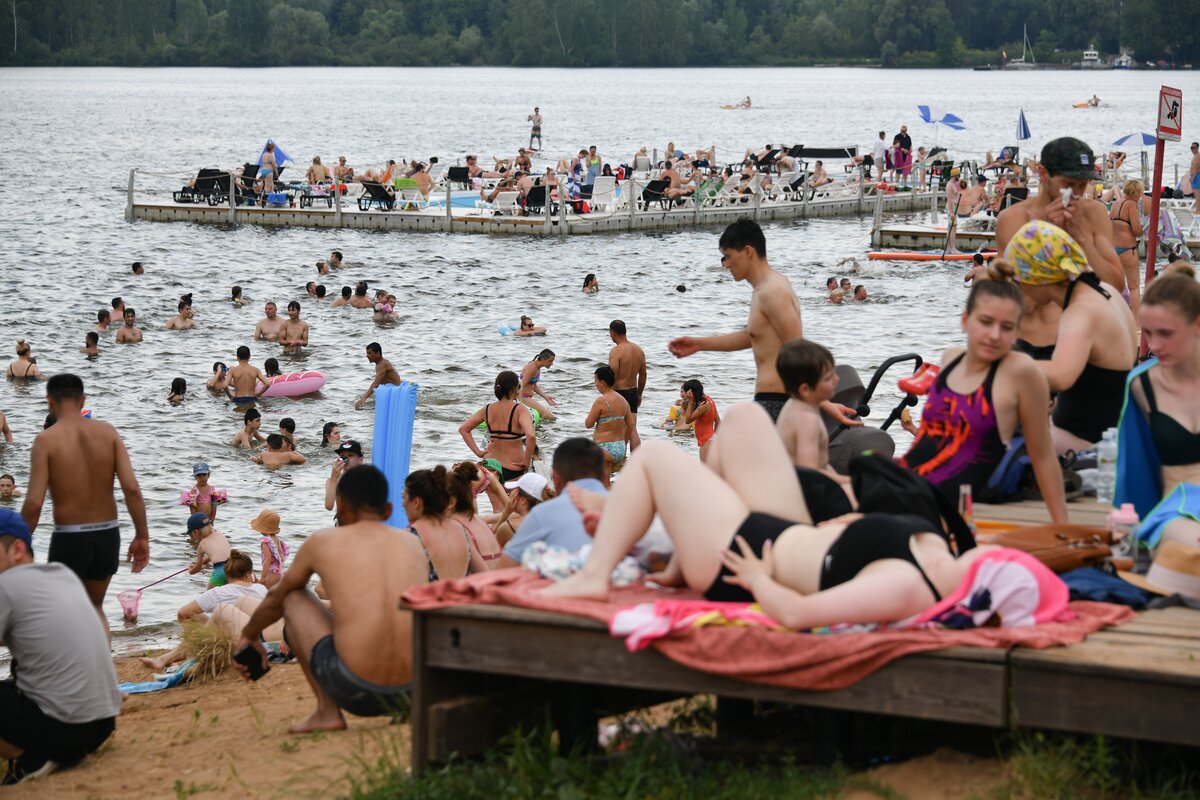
(742, 533)
(1158, 455)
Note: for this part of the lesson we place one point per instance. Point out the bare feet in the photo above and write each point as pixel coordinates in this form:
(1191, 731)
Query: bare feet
(320, 721)
(157, 664)
(586, 501)
(581, 585)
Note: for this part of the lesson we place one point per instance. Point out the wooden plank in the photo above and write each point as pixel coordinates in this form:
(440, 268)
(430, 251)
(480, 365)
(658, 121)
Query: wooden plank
(1034, 512)
(962, 686)
(1151, 660)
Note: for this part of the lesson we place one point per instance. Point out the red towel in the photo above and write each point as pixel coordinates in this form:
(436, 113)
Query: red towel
(816, 662)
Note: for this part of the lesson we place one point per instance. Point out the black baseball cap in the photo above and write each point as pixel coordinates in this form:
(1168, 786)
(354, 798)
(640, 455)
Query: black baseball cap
(1070, 158)
(348, 447)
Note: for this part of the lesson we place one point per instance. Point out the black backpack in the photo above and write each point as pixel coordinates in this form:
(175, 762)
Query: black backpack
(884, 487)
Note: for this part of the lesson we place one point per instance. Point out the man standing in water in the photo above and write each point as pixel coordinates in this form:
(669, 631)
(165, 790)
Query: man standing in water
(244, 380)
(536, 132)
(183, 320)
(130, 333)
(384, 373)
(103, 320)
(269, 326)
(77, 459)
(628, 363)
(294, 333)
(359, 660)
(774, 318)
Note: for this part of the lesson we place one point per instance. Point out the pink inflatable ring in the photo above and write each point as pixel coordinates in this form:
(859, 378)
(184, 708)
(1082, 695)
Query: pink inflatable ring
(295, 384)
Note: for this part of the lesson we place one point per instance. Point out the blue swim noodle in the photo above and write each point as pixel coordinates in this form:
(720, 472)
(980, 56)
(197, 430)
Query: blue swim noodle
(391, 449)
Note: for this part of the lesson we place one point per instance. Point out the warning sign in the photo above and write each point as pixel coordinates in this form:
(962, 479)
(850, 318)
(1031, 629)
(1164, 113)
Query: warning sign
(1170, 114)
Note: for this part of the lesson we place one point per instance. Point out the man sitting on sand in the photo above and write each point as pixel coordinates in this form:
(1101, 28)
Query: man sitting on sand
(63, 701)
(359, 660)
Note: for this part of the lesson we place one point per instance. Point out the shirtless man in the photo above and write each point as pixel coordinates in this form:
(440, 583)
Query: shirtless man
(1193, 177)
(317, 173)
(341, 171)
(384, 373)
(1066, 163)
(628, 363)
(118, 308)
(678, 186)
(335, 259)
(360, 660)
(975, 199)
(77, 459)
(269, 326)
(522, 161)
(91, 348)
(130, 333)
(774, 319)
(103, 320)
(276, 455)
(536, 131)
(183, 320)
(246, 381)
(294, 333)
(360, 299)
(249, 437)
(819, 176)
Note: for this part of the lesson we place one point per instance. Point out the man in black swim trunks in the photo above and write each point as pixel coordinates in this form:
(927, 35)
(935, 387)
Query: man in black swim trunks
(77, 459)
(628, 363)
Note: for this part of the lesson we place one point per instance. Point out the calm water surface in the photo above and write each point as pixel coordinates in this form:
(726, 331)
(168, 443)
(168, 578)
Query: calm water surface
(70, 136)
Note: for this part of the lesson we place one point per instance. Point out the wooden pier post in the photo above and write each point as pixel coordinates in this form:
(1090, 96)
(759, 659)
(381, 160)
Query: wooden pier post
(449, 208)
(861, 179)
(631, 199)
(129, 198)
(232, 198)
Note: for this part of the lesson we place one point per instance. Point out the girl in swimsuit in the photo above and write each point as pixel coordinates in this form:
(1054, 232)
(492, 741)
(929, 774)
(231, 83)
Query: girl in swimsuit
(742, 532)
(1159, 470)
(446, 543)
(274, 550)
(531, 373)
(23, 367)
(611, 417)
(1126, 215)
(512, 439)
(981, 395)
(464, 482)
(1096, 340)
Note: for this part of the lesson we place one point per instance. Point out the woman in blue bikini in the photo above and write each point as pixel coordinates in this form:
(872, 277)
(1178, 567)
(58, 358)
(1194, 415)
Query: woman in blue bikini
(611, 417)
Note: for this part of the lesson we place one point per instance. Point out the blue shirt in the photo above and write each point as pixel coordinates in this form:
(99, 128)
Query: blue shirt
(555, 521)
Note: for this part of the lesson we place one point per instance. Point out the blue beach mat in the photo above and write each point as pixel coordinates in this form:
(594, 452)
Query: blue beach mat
(182, 673)
(391, 449)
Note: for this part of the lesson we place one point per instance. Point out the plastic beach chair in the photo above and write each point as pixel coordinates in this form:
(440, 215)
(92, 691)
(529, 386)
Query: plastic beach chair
(604, 193)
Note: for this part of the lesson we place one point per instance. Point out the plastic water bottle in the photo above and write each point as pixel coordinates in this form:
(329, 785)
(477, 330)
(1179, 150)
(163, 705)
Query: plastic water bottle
(1106, 468)
(1123, 525)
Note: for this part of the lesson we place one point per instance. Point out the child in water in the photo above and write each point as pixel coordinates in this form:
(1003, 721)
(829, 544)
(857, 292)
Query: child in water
(202, 498)
(807, 371)
(235, 297)
(8, 488)
(274, 549)
(178, 390)
(211, 547)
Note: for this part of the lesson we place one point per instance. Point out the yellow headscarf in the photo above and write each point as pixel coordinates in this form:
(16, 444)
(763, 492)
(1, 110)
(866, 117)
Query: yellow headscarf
(1044, 253)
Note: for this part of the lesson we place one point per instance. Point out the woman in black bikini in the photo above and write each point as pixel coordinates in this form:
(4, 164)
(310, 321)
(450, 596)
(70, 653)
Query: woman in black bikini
(1126, 214)
(23, 367)
(511, 437)
(742, 532)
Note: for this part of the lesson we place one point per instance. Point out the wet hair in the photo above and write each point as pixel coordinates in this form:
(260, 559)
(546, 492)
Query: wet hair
(744, 233)
(360, 289)
(578, 458)
(545, 354)
(186, 299)
(103, 314)
(321, 290)
(235, 293)
(859, 286)
(346, 292)
(129, 312)
(337, 253)
(458, 484)
(831, 283)
(327, 429)
(1000, 281)
(251, 415)
(606, 375)
(1177, 289)
(64, 386)
(288, 424)
(22, 347)
(135, 267)
(695, 387)
(294, 304)
(375, 348)
(243, 353)
(617, 327)
(310, 285)
(238, 565)
(275, 441)
(218, 365)
(506, 383)
(363, 487)
(977, 259)
(92, 337)
(178, 386)
(271, 367)
(802, 363)
(49, 421)
(182, 305)
(116, 301)
(429, 486)
(9, 477)
(587, 279)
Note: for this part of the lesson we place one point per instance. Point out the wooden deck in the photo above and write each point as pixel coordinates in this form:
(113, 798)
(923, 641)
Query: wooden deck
(479, 670)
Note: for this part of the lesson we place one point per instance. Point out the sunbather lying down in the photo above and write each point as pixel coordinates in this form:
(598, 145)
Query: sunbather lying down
(742, 532)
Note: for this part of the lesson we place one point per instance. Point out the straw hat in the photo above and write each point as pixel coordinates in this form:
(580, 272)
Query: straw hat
(1176, 570)
(267, 521)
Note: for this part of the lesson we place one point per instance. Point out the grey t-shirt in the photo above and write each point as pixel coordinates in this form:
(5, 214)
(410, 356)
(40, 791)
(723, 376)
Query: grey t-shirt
(62, 655)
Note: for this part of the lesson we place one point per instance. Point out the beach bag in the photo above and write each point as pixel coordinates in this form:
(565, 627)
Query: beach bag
(1062, 548)
(884, 487)
(823, 495)
(1011, 477)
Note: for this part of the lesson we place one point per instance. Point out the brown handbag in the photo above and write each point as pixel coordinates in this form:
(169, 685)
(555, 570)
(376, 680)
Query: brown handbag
(1062, 548)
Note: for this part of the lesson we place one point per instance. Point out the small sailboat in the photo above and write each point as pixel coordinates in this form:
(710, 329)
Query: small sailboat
(1026, 53)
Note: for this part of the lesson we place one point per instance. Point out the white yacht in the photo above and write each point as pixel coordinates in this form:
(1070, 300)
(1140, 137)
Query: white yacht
(1091, 59)
(1026, 52)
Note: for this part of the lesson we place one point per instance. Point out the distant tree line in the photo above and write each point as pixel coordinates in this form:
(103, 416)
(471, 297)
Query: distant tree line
(597, 33)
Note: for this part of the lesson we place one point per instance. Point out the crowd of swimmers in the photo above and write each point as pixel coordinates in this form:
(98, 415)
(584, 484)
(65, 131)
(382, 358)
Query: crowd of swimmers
(1046, 319)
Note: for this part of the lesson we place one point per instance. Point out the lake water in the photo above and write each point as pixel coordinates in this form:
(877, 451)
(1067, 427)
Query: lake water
(71, 135)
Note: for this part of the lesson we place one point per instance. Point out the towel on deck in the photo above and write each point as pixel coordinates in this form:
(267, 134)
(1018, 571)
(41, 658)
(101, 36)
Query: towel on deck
(816, 662)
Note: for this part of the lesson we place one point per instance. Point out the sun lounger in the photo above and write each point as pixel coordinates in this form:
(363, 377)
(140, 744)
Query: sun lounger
(460, 175)
(535, 200)
(409, 194)
(374, 194)
(436, 173)
(604, 193)
(1186, 219)
(504, 203)
(208, 186)
(653, 192)
(1013, 194)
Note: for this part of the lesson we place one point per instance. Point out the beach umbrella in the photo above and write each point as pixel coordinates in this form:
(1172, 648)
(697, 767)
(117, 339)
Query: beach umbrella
(1142, 139)
(1022, 127)
(281, 157)
(936, 117)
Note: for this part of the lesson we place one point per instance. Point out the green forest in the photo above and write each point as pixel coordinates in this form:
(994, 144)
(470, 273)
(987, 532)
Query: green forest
(588, 33)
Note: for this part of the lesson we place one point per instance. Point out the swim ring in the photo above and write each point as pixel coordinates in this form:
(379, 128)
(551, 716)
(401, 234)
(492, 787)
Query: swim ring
(506, 328)
(295, 384)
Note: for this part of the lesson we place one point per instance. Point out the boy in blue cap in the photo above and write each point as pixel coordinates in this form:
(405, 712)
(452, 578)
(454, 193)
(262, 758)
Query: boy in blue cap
(211, 547)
